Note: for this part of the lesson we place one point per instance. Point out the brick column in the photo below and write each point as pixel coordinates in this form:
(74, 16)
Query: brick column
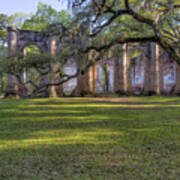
(148, 76)
(127, 84)
(82, 84)
(92, 79)
(153, 68)
(159, 71)
(54, 91)
(12, 82)
(116, 75)
(121, 77)
(177, 88)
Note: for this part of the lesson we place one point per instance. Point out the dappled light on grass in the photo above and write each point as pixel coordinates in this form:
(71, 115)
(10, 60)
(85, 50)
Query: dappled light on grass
(104, 105)
(90, 138)
(62, 138)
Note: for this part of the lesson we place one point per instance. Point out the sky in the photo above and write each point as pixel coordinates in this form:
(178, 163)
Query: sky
(27, 6)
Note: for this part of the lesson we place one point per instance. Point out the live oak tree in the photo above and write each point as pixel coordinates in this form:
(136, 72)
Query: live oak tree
(129, 21)
(100, 26)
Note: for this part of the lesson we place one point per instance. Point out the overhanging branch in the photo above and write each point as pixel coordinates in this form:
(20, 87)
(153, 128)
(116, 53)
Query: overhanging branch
(122, 41)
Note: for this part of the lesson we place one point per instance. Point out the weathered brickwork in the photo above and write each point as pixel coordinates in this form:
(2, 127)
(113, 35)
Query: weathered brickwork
(154, 72)
(177, 84)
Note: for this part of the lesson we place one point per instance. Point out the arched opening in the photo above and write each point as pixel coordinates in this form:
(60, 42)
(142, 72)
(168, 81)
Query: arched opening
(30, 43)
(31, 49)
(70, 69)
(31, 77)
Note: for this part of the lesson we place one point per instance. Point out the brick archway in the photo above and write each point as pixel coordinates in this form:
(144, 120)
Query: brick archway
(19, 39)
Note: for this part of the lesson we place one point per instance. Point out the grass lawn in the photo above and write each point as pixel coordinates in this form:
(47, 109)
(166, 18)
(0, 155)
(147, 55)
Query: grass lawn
(90, 138)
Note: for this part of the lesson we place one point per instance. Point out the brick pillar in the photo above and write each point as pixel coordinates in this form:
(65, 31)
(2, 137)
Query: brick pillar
(12, 82)
(147, 58)
(54, 91)
(159, 71)
(92, 79)
(177, 88)
(127, 84)
(12, 40)
(116, 74)
(120, 77)
(153, 68)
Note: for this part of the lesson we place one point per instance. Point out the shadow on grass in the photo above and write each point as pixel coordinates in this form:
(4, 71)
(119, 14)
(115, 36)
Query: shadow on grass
(90, 161)
(83, 139)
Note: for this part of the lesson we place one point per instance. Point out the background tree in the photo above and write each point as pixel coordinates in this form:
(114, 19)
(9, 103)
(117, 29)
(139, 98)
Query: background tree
(45, 16)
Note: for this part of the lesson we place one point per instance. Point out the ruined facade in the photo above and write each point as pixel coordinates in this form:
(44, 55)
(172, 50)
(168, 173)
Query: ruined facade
(18, 40)
(153, 72)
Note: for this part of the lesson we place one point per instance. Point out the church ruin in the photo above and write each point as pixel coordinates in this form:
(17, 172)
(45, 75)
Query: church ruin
(149, 74)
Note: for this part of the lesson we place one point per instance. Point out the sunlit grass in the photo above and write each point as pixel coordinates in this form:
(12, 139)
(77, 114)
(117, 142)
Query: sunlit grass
(90, 138)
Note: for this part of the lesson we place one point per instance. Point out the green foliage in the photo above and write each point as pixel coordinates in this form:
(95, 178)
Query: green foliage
(19, 18)
(45, 16)
(17, 62)
(5, 21)
(16, 19)
(3, 54)
(158, 19)
(31, 49)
